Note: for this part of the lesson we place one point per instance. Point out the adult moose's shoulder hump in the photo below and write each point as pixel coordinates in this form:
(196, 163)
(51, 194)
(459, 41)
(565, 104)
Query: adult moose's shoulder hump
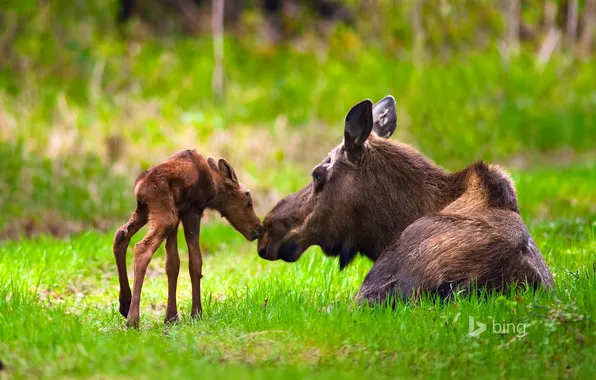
(426, 229)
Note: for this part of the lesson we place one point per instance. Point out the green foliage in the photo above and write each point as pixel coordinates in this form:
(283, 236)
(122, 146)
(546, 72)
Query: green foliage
(69, 189)
(470, 106)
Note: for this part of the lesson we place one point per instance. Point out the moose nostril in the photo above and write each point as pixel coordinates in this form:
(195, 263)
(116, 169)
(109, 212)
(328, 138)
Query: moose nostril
(262, 252)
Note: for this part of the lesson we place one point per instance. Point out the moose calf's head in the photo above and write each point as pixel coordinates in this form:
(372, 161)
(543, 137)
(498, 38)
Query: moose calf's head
(234, 202)
(343, 207)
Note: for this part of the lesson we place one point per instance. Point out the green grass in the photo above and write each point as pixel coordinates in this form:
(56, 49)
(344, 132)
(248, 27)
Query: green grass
(59, 317)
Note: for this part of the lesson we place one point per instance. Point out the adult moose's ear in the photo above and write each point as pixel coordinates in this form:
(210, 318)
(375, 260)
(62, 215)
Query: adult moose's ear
(384, 117)
(226, 170)
(212, 164)
(358, 125)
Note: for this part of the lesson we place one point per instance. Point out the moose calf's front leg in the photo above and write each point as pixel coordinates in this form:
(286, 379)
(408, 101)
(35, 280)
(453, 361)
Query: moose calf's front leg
(195, 268)
(172, 270)
(191, 223)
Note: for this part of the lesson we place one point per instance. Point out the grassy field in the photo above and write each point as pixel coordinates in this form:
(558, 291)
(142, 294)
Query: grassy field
(59, 314)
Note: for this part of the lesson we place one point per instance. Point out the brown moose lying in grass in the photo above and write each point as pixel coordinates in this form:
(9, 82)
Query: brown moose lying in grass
(426, 229)
(179, 189)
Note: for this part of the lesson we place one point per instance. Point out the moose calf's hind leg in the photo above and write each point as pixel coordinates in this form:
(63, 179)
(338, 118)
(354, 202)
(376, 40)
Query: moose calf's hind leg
(143, 253)
(121, 242)
(172, 270)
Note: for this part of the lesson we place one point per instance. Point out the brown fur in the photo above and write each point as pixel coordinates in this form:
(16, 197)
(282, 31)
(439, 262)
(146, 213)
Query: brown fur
(425, 228)
(179, 190)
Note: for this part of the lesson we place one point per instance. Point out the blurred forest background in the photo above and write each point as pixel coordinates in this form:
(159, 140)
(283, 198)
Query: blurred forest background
(92, 92)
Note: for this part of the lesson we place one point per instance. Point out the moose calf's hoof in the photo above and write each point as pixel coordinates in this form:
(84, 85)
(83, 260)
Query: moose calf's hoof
(132, 323)
(124, 308)
(197, 315)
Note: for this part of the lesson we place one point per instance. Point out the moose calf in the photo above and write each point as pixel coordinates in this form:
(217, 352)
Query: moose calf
(179, 190)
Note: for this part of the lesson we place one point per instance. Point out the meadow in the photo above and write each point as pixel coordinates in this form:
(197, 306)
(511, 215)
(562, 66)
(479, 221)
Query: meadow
(59, 316)
(83, 111)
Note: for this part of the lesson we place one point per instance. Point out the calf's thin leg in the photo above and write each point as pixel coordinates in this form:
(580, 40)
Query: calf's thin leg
(172, 270)
(163, 221)
(192, 226)
(121, 242)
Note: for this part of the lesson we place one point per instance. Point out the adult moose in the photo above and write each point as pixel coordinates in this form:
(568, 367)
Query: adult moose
(426, 229)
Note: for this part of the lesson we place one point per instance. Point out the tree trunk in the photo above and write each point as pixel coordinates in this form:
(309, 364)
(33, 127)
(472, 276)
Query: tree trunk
(550, 15)
(218, 47)
(571, 23)
(589, 20)
(513, 10)
(549, 44)
(417, 32)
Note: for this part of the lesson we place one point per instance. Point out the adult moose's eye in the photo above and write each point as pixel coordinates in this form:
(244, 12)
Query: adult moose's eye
(318, 178)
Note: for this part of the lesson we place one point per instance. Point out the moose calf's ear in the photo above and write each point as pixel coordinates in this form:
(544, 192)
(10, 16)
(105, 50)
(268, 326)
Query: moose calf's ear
(212, 164)
(384, 117)
(226, 170)
(358, 125)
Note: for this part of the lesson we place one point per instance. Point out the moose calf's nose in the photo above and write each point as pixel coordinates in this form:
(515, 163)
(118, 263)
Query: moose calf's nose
(260, 230)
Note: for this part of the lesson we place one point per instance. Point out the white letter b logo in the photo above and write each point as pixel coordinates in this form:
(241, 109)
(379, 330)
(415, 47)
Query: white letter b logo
(472, 328)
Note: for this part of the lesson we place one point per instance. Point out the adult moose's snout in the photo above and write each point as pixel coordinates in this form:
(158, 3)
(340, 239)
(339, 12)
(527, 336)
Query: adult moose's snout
(262, 251)
(263, 247)
(283, 225)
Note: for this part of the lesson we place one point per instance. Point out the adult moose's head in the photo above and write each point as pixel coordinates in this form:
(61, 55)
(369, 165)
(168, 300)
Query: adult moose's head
(364, 192)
